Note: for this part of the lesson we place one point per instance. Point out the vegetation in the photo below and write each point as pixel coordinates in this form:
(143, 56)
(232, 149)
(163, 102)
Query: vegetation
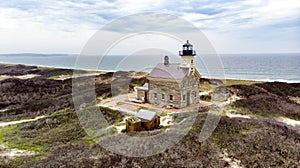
(61, 76)
(59, 140)
(163, 113)
(266, 100)
(46, 68)
(120, 103)
(62, 127)
(230, 82)
(258, 143)
(58, 127)
(205, 86)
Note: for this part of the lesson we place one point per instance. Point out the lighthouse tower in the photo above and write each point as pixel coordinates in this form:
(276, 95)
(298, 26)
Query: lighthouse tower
(187, 56)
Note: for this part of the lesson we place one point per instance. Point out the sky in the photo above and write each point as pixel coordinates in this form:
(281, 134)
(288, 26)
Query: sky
(232, 26)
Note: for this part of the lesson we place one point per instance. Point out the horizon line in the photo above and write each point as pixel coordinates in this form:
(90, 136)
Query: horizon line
(225, 53)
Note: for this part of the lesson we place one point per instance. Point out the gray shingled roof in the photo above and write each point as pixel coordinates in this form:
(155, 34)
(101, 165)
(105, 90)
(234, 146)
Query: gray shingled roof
(170, 71)
(145, 115)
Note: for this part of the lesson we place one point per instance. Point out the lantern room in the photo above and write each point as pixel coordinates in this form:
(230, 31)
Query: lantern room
(187, 50)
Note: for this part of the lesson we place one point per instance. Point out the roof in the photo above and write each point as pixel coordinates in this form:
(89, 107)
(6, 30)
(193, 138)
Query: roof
(145, 115)
(169, 71)
(187, 43)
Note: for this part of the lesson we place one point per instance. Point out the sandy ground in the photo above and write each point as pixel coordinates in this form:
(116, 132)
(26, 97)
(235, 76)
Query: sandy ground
(28, 76)
(232, 115)
(121, 125)
(10, 153)
(288, 121)
(166, 120)
(4, 124)
(233, 163)
(295, 99)
(64, 77)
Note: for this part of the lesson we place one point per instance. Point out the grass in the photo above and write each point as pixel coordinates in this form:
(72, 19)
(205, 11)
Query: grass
(118, 122)
(163, 113)
(120, 103)
(9, 132)
(230, 82)
(240, 110)
(46, 68)
(6, 130)
(205, 87)
(36, 135)
(87, 140)
(102, 134)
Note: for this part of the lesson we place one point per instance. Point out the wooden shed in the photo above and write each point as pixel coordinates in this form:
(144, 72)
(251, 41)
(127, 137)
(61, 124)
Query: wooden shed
(142, 120)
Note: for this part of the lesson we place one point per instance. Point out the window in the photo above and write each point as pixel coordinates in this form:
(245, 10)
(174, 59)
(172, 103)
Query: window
(155, 95)
(192, 61)
(183, 97)
(171, 97)
(163, 96)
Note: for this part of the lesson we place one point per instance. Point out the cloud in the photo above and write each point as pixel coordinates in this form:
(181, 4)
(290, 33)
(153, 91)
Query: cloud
(64, 26)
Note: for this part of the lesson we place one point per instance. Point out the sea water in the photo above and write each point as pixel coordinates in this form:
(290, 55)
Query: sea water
(264, 67)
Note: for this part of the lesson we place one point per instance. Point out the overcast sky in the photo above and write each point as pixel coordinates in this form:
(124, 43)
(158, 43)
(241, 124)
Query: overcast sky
(57, 26)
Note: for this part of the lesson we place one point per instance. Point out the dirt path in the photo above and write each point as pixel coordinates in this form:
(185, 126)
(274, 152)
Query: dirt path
(10, 153)
(4, 124)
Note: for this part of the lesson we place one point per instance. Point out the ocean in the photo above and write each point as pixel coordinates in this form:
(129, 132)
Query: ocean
(262, 67)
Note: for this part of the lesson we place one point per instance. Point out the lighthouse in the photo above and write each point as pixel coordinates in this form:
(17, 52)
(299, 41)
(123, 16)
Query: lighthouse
(187, 57)
(173, 85)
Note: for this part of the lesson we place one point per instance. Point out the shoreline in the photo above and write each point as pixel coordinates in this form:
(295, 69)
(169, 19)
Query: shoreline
(103, 70)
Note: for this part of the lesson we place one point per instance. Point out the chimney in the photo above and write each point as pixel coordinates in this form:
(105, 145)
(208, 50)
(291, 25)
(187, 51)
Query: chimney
(166, 62)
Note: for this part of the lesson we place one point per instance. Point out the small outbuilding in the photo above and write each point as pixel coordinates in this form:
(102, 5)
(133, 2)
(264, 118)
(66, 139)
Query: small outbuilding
(142, 92)
(142, 120)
